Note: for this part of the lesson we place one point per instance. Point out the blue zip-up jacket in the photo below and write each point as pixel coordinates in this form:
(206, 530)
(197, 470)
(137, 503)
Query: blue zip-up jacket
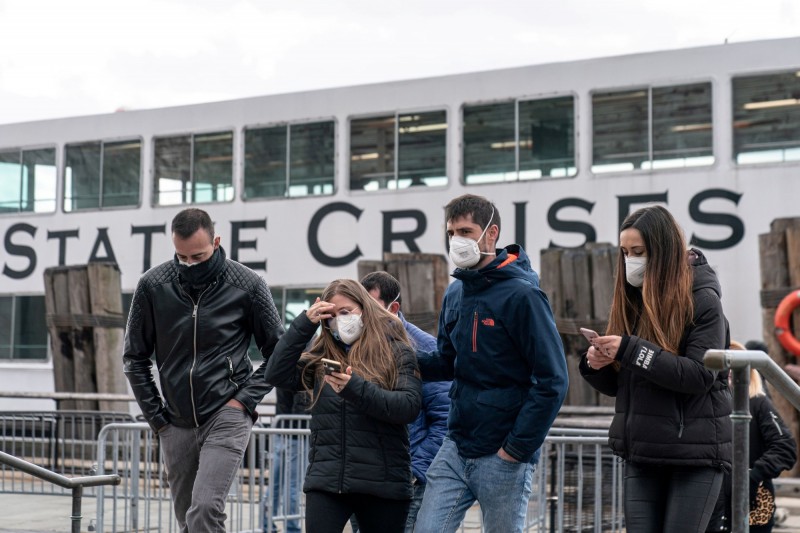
(426, 433)
(499, 344)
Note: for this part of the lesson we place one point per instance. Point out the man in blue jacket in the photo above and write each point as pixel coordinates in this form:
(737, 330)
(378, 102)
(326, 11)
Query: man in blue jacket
(427, 431)
(498, 342)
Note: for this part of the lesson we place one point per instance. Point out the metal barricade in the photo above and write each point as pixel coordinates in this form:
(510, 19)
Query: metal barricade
(64, 442)
(577, 485)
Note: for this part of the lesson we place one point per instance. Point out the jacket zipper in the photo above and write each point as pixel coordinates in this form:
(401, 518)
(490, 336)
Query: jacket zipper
(775, 421)
(680, 426)
(341, 467)
(475, 333)
(230, 373)
(194, 348)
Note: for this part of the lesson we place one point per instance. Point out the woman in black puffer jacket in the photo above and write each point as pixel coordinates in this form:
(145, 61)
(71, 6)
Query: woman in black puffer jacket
(671, 422)
(359, 461)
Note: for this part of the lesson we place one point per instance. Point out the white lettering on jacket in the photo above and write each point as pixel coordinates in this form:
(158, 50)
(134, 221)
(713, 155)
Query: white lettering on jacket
(645, 357)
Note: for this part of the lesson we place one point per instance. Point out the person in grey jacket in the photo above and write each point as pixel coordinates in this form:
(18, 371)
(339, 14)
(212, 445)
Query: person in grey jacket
(197, 313)
(364, 384)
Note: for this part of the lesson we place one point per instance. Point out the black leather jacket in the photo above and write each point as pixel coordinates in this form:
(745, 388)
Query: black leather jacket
(200, 344)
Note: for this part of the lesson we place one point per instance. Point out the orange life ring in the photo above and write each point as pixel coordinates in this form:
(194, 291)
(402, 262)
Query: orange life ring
(782, 316)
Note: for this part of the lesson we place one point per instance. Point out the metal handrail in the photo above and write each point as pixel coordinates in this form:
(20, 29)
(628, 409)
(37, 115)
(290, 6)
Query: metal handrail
(75, 483)
(740, 362)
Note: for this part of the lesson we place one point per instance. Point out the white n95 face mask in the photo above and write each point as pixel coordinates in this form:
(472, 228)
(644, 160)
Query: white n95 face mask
(349, 327)
(464, 252)
(634, 270)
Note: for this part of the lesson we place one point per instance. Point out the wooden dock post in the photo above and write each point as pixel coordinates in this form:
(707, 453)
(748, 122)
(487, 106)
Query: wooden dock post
(423, 279)
(85, 321)
(579, 283)
(779, 254)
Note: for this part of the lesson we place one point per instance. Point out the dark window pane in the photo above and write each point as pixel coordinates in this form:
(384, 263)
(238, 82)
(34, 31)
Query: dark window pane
(312, 155)
(766, 118)
(682, 134)
(38, 180)
(620, 130)
(121, 172)
(546, 138)
(489, 143)
(265, 162)
(422, 152)
(10, 181)
(372, 153)
(30, 329)
(172, 170)
(82, 176)
(213, 167)
(6, 326)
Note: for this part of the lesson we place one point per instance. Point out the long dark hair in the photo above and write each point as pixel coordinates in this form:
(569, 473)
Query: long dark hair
(660, 311)
(371, 355)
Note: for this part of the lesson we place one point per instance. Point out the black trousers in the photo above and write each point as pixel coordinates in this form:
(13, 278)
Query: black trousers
(327, 512)
(670, 499)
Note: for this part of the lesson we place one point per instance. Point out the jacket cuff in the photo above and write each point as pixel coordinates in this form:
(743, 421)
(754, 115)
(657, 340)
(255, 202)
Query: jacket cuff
(623, 345)
(516, 454)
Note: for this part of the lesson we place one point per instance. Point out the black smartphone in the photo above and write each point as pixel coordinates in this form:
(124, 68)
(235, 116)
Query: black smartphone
(329, 366)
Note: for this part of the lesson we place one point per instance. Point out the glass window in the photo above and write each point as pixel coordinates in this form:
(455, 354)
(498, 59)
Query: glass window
(766, 118)
(28, 180)
(306, 168)
(102, 174)
(547, 138)
(662, 127)
(519, 140)
(489, 143)
(193, 168)
(23, 331)
(398, 151)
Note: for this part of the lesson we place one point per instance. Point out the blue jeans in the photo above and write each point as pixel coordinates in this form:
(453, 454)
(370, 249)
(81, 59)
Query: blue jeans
(454, 483)
(286, 482)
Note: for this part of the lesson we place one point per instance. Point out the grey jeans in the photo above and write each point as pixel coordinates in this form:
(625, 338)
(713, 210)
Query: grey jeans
(201, 464)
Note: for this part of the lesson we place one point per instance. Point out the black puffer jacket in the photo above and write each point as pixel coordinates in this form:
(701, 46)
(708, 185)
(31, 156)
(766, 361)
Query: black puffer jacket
(670, 409)
(200, 344)
(359, 437)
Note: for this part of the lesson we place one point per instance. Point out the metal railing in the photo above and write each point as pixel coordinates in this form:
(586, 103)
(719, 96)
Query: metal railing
(576, 487)
(64, 442)
(76, 485)
(740, 362)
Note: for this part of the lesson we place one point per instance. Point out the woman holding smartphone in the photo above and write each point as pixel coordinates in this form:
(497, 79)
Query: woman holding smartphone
(671, 423)
(359, 461)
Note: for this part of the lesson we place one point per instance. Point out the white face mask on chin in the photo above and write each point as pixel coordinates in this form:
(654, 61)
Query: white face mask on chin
(634, 270)
(464, 252)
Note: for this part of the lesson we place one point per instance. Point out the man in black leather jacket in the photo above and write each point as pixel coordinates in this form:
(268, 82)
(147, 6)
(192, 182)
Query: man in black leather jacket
(197, 313)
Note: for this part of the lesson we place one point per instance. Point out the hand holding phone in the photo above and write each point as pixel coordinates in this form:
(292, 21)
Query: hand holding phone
(329, 366)
(590, 335)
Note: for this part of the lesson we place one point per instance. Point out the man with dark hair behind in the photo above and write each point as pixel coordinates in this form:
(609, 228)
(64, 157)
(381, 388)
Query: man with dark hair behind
(197, 314)
(427, 432)
(498, 342)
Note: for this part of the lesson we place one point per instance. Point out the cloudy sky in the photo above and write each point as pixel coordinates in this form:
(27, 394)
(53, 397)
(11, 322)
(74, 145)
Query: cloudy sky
(65, 58)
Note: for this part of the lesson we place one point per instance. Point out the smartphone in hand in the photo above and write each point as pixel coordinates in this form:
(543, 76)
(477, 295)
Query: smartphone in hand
(590, 335)
(330, 366)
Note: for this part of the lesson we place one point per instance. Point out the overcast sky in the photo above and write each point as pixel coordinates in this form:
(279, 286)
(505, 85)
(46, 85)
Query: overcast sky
(76, 57)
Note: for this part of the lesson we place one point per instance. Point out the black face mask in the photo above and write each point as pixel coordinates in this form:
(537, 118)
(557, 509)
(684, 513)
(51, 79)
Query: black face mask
(201, 274)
